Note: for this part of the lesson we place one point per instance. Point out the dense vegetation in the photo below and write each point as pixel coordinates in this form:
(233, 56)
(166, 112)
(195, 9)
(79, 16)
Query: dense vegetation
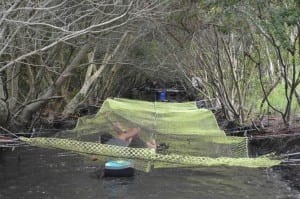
(60, 54)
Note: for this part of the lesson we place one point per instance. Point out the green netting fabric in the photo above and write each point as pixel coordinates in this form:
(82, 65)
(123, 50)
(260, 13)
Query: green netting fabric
(148, 154)
(186, 136)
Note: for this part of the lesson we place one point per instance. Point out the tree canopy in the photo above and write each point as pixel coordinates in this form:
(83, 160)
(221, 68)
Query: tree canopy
(62, 54)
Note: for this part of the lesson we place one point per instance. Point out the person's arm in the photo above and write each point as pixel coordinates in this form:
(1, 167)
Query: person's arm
(118, 128)
(116, 125)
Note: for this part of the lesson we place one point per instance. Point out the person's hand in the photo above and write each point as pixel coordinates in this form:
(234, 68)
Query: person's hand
(118, 128)
(117, 125)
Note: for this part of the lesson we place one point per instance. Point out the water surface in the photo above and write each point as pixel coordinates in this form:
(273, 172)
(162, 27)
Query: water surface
(37, 173)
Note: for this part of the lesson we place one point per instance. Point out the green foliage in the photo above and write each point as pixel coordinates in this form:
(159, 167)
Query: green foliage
(279, 21)
(278, 100)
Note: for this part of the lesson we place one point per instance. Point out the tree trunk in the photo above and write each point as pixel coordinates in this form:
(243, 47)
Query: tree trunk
(91, 78)
(26, 112)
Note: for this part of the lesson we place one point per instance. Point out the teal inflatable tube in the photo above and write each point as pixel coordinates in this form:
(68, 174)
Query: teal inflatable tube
(119, 168)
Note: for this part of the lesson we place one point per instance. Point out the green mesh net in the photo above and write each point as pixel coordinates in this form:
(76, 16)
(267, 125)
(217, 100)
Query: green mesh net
(186, 137)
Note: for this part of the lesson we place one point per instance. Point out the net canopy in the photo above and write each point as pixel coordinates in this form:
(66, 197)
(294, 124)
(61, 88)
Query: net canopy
(186, 136)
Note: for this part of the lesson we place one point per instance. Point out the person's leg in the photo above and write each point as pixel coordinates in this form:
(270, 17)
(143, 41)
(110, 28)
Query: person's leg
(129, 134)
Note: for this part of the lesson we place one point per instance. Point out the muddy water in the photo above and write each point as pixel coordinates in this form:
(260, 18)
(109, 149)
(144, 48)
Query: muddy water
(36, 173)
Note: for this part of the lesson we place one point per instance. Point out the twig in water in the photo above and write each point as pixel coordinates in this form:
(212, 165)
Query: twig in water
(9, 132)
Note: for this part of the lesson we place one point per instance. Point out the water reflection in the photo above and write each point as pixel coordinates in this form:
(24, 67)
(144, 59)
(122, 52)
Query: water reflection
(41, 173)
